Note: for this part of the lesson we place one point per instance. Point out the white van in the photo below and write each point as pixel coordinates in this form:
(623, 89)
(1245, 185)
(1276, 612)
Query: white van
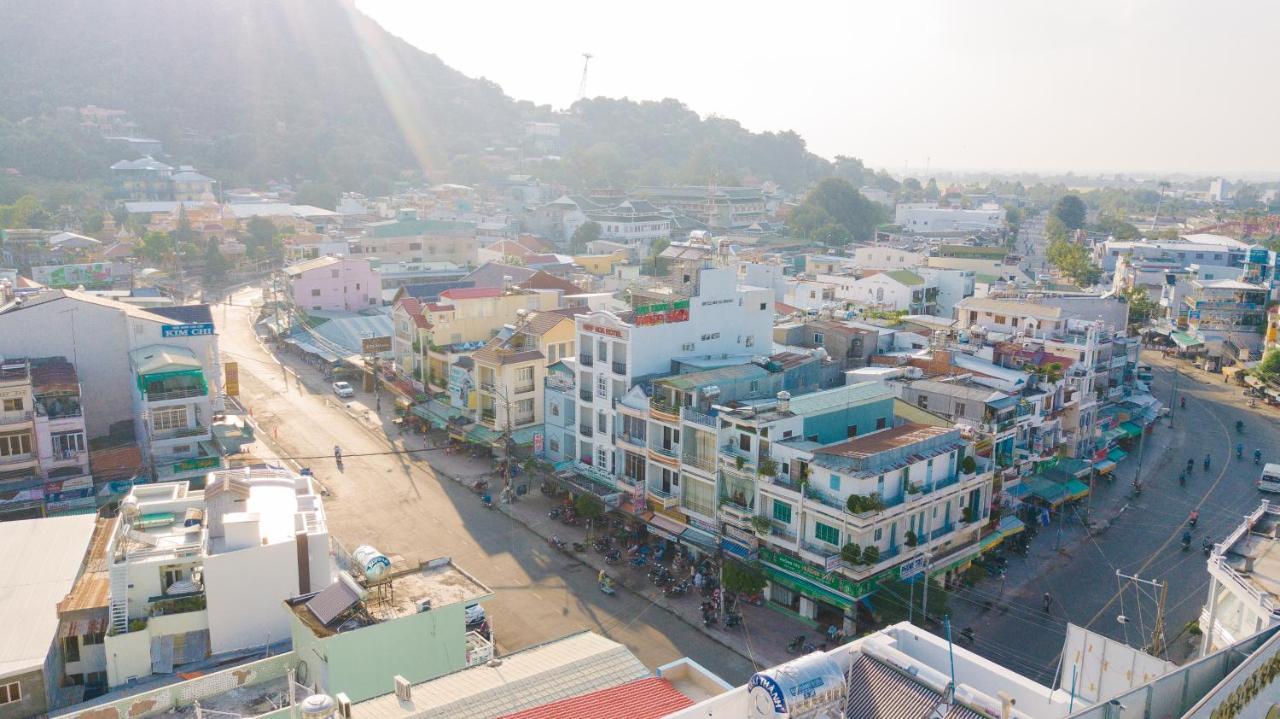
(1270, 479)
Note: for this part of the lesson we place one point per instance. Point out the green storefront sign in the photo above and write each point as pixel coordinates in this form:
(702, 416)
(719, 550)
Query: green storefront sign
(189, 465)
(838, 582)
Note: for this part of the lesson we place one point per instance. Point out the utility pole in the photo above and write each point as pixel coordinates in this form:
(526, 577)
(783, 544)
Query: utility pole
(582, 84)
(1173, 395)
(1157, 646)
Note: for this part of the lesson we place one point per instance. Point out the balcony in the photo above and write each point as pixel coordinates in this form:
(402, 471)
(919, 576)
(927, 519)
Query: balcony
(15, 417)
(823, 555)
(619, 368)
(166, 605)
(732, 454)
(7, 460)
(698, 461)
(666, 500)
(179, 433)
(488, 416)
(585, 430)
(66, 456)
(178, 393)
(585, 360)
(662, 411)
(522, 419)
(737, 510)
(584, 394)
(479, 649)
(635, 441)
(486, 386)
(945, 529)
(524, 388)
(666, 455)
(689, 414)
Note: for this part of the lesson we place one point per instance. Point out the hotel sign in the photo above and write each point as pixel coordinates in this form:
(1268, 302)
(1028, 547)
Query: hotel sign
(802, 568)
(199, 329)
(598, 329)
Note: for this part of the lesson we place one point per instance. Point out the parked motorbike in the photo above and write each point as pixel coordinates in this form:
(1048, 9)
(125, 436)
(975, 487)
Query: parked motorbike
(557, 542)
(613, 556)
(796, 644)
(487, 501)
(732, 620)
(1207, 545)
(579, 547)
(639, 561)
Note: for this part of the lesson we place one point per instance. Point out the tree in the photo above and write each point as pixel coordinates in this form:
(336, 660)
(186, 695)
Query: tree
(1118, 228)
(741, 578)
(590, 508)
(835, 210)
(215, 264)
(1070, 210)
(1073, 261)
(317, 194)
(1270, 364)
(871, 554)
(851, 554)
(588, 231)
(895, 594)
(157, 248)
(1141, 307)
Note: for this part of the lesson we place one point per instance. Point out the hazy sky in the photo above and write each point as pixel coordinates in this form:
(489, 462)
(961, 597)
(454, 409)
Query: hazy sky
(1108, 85)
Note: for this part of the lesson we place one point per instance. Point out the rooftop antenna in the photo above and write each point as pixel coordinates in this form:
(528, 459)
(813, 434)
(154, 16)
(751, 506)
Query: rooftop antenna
(582, 84)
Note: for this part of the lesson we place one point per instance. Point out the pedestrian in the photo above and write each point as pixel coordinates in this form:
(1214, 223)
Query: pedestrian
(1048, 599)
(697, 580)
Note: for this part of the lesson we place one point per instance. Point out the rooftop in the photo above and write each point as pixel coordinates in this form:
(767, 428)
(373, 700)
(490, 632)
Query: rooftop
(904, 435)
(39, 562)
(1253, 552)
(906, 277)
(313, 264)
(650, 698)
(163, 358)
(962, 390)
(572, 666)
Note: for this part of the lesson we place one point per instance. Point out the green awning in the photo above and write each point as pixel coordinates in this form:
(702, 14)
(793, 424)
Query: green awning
(1131, 429)
(807, 588)
(1114, 434)
(1047, 490)
(1117, 455)
(990, 541)
(1077, 489)
(1185, 340)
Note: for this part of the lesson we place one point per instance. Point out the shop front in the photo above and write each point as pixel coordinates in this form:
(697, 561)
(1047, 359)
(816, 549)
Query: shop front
(826, 599)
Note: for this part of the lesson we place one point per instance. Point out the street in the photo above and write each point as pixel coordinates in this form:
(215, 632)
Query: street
(1143, 537)
(396, 502)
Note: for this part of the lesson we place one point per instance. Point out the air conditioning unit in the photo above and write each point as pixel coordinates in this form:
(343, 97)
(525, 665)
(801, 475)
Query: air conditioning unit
(344, 704)
(422, 605)
(403, 688)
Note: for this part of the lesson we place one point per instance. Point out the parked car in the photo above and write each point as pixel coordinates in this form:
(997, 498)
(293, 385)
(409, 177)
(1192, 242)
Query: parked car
(343, 389)
(1270, 479)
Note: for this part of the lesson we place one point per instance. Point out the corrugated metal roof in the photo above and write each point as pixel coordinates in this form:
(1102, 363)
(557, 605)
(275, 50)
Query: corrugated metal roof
(39, 561)
(877, 691)
(569, 667)
(163, 358)
(846, 396)
(650, 698)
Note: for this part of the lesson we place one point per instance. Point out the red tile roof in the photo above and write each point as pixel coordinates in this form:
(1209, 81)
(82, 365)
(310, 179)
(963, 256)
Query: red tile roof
(470, 293)
(414, 308)
(546, 281)
(650, 698)
(782, 308)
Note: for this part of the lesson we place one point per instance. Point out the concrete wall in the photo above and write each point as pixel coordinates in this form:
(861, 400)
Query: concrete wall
(357, 282)
(103, 336)
(34, 702)
(245, 589)
(833, 426)
(128, 657)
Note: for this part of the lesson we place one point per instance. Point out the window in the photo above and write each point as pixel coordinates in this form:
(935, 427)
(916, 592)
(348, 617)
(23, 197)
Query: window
(71, 648)
(554, 444)
(15, 444)
(959, 409)
(686, 347)
(826, 533)
(751, 340)
(602, 386)
(602, 422)
(66, 444)
(922, 401)
(13, 405)
(851, 431)
(782, 512)
(834, 483)
(881, 422)
(315, 293)
(879, 533)
(764, 305)
(818, 337)
(92, 638)
(168, 418)
(357, 287)
(555, 409)
(10, 692)
(316, 307)
(415, 245)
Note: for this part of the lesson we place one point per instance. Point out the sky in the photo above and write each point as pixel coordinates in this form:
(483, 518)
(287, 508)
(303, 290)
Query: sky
(1135, 86)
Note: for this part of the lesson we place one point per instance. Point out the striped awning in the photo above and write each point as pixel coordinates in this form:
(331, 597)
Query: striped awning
(1104, 466)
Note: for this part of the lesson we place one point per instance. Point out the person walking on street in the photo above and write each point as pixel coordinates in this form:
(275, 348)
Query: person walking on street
(1048, 599)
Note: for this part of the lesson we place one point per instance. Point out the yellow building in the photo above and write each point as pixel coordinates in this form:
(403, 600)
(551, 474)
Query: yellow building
(600, 264)
(466, 318)
(508, 373)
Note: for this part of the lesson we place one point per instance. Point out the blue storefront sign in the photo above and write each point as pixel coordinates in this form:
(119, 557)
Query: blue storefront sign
(197, 329)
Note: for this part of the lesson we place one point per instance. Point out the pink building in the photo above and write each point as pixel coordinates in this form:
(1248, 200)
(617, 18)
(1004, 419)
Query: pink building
(334, 284)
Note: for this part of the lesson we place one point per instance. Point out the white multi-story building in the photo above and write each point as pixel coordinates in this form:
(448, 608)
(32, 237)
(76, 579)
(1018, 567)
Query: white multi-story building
(928, 217)
(199, 572)
(1244, 597)
(883, 257)
(718, 318)
(173, 413)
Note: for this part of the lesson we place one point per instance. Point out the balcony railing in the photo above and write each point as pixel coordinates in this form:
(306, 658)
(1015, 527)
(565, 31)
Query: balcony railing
(7, 459)
(524, 388)
(689, 414)
(487, 416)
(619, 367)
(941, 531)
(666, 500)
(585, 430)
(585, 360)
(522, 419)
(15, 417)
(180, 604)
(479, 649)
(486, 386)
(66, 455)
(633, 440)
(665, 451)
(703, 462)
(180, 393)
(179, 433)
(584, 394)
(658, 409)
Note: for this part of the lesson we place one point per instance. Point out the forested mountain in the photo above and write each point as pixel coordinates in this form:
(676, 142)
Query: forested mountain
(258, 89)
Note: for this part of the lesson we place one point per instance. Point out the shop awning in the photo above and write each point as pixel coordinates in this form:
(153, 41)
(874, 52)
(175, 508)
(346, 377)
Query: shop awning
(741, 551)
(1048, 490)
(810, 589)
(1115, 434)
(311, 348)
(666, 527)
(1185, 341)
(699, 538)
(990, 541)
(1010, 525)
(1019, 491)
(1131, 429)
(1104, 466)
(437, 412)
(1117, 455)
(1077, 489)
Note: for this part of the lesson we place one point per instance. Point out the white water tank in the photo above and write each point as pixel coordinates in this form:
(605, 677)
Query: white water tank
(371, 562)
(811, 686)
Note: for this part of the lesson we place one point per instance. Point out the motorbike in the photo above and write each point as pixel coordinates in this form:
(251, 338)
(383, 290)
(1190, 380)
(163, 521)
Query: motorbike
(1239, 451)
(1240, 426)
(613, 556)
(709, 619)
(557, 542)
(1191, 466)
(1182, 478)
(602, 545)
(966, 635)
(1186, 541)
(756, 600)
(1195, 517)
(639, 561)
(732, 620)
(487, 501)
(796, 644)
(480, 486)
(607, 587)
(674, 589)
(1207, 546)
(1257, 456)
(1206, 463)
(555, 512)
(579, 547)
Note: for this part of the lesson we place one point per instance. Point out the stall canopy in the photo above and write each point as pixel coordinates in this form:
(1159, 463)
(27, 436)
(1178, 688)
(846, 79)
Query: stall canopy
(1104, 466)
(1117, 455)
(666, 528)
(1010, 525)
(1131, 429)
(697, 537)
(1185, 340)
(1077, 489)
(808, 588)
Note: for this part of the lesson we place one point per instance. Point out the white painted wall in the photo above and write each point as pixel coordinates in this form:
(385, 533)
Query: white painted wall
(246, 590)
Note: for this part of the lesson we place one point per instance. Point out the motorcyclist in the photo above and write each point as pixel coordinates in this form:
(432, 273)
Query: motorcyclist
(1207, 545)
(337, 453)
(1239, 450)
(1191, 465)
(1195, 517)
(1048, 600)
(1257, 456)
(1239, 425)
(1206, 461)
(1186, 539)
(1182, 402)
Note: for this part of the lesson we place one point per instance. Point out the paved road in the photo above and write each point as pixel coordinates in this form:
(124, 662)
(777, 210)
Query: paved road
(1145, 539)
(397, 503)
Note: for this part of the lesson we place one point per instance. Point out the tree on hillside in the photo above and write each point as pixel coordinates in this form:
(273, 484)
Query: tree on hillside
(1070, 210)
(24, 213)
(318, 194)
(850, 169)
(588, 231)
(834, 205)
(215, 265)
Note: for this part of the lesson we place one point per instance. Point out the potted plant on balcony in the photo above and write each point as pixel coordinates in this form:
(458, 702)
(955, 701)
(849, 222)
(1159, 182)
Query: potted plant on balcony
(858, 503)
(966, 515)
(913, 488)
(910, 538)
(761, 524)
(768, 468)
(851, 554)
(871, 554)
(739, 461)
(968, 465)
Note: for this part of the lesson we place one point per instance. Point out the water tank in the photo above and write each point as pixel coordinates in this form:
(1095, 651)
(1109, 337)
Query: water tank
(811, 686)
(129, 507)
(318, 706)
(371, 562)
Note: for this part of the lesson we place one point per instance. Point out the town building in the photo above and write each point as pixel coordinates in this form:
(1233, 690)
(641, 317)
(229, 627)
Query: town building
(634, 223)
(410, 239)
(1206, 250)
(173, 413)
(1244, 597)
(928, 217)
(334, 284)
(718, 208)
(40, 560)
(198, 572)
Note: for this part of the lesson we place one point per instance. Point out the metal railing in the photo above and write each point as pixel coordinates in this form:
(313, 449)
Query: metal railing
(12, 417)
(619, 367)
(585, 430)
(524, 388)
(179, 433)
(584, 394)
(666, 499)
(585, 360)
(692, 415)
(6, 459)
(181, 393)
(479, 649)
